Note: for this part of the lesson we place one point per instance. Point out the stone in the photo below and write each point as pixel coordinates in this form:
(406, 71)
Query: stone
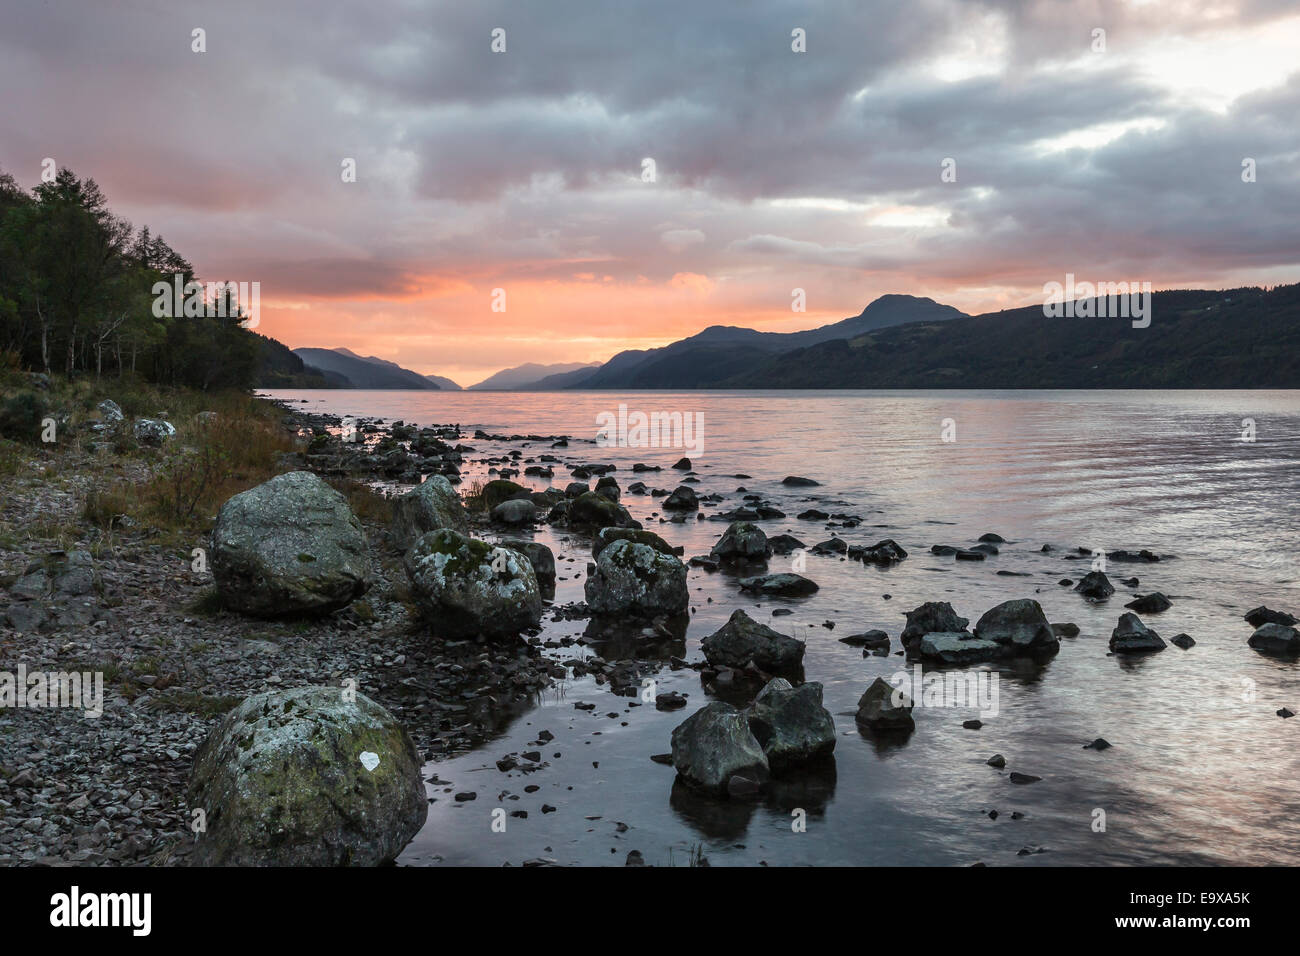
(791, 725)
(786, 584)
(467, 588)
(1275, 639)
(713, 745)
(743, 640)
(1131, 636)
(1019, 625)
(742, 541)
(633, 578)
(1095, 586)
(932, 616)
(429, 506)
(883, 707)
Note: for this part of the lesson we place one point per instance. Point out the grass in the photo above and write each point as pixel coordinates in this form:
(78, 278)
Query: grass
(368, 504)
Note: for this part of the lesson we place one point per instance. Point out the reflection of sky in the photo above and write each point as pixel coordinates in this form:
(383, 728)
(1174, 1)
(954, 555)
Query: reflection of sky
(1197, 774)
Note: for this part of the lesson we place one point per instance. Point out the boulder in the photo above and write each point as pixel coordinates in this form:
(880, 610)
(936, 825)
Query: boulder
(289, 545)
(1275, 639)
(1095, 586)
(932, 616)
(110, 412)
(883, 707)
(515, 512)
(632, 578)
(307, 777)
(791, 725)
(152, 431)
(742, 640)
(590, 510)
(430, 505)
(797, 481)
(1263, 615)
(1131, 636)
(607, 487)
(539, 556)
(873, 639)
(715, 744)
(1019, 625)
(499, 490)
(467, 587)
(786, 584)
(887, 551)
(742, 541)
(607, 536)
(683, 498)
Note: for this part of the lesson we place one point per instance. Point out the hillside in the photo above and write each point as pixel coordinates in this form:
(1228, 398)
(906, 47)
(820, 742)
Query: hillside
(528, 374)
(1240, 338)
(364, 371)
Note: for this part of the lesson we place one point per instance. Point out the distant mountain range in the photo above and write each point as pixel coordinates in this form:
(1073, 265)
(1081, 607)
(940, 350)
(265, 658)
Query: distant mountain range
(530, 374)
(1239, 338)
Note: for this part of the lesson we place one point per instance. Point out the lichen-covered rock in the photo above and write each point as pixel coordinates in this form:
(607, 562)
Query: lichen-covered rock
(430, 505)
(1020, 625)
(152, 431)
(742, 541)
(466, 587)
(607, 536)
(110, 412)
(883, 707)
(307, 777)
(590, 510)
(633, 578)
(715, 744)
(956, 647)
(742, 640)
(517, 511)
(539, 556)
(290, 545)
(790, 724)
(935, 617)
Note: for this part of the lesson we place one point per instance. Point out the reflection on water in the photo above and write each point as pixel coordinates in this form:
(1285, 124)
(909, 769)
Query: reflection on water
(1201, 770)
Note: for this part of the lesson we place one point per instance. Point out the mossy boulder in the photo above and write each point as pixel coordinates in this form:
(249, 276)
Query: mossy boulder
(312, 776)
(607, 536)
(499, 490)
(466, 587)
(430, 505)
(593, 511)
(291, 545)
(635, 579)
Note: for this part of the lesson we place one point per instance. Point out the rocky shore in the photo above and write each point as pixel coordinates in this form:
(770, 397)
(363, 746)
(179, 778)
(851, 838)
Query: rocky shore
(366, 610)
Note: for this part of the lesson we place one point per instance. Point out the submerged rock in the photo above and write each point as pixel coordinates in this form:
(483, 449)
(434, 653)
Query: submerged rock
(795, 585)
(1152, 603)
(957, 647)
(307, 777)
(880, 709)
(634, 578)
(430, 505)
(1263, 615)
(1131, 636)
(289, 545)
(466, 587)
(1275, 639)
(715, 744)
(791, 725)
(742, 640)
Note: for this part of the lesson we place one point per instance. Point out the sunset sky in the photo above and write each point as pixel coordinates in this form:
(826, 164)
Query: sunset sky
(775, 170)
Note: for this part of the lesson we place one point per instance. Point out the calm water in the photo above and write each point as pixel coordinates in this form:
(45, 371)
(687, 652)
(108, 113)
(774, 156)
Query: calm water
(1201, 771)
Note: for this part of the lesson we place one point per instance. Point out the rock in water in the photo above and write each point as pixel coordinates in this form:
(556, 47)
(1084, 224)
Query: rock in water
(788, 584)
(742, 639)
(290, 545)
(683, 498)
(590, 510)
(430, 505)
(306, 778)
(539, 556)
(883, 707)
(467, 587)
(634, 578)
(1276, 639)
(1152, 603)
(607, 536)
(1265, 615)
(932, 616)
(517, 511)
(742, 541)
(790, 724)
(1019, 625)
(1131, 636)
(956, 647)
(1095, 586)
(713, 745)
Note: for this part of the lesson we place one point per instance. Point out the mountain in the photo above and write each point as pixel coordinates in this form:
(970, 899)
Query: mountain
(723, 352)
(363, 371)
(444, 383)
(1238, 338)
(527, 376)
(278, 367)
